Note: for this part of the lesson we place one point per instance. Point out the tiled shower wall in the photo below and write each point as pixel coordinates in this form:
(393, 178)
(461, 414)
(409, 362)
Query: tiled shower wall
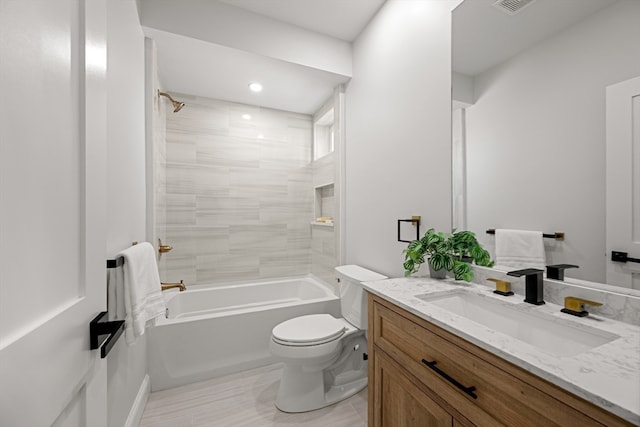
(239, 194)
(323, 241)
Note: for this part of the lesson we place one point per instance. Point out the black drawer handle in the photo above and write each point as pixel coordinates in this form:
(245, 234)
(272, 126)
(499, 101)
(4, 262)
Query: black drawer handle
(468, 390)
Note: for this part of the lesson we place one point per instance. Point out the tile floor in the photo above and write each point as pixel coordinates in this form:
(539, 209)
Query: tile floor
(244, 399)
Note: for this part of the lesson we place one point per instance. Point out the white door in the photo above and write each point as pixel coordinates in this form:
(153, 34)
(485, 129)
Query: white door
(623, 181)
(52, 204)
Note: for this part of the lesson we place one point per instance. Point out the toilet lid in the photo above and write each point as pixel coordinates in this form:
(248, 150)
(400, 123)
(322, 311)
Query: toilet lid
(314, 328)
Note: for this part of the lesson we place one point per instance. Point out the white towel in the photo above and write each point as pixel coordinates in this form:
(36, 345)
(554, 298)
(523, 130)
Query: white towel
(519, 249)
(142, 295)
(115, 294)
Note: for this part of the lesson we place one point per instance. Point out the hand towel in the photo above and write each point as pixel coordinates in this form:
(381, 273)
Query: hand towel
(519, 249)
(143, 300)
(115, 294)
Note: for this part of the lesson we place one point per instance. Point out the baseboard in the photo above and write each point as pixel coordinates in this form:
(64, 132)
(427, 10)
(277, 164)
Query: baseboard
(135, 415)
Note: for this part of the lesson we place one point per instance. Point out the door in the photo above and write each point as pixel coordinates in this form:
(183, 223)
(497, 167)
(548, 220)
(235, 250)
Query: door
(399, 402)
(52, 204)
(623, 181)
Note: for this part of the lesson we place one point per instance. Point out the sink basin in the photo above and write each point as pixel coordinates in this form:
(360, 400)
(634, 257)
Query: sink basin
(539, 330)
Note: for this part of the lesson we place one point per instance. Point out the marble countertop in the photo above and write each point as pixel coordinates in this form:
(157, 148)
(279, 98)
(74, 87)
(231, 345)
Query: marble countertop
(607, 376)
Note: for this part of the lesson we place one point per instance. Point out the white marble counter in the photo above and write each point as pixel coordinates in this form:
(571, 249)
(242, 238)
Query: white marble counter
(607, 375)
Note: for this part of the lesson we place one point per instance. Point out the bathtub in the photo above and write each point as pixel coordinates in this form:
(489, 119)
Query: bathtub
(214, 330)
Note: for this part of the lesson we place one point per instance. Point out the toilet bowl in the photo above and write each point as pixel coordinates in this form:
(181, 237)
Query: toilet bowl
(325, 357)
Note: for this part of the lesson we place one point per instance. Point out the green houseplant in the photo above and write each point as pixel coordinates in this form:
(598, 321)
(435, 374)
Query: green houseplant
(446, 251)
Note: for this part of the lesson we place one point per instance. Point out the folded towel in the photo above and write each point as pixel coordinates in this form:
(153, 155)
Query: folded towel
(519, 249)
(141, 292)
(115, 294)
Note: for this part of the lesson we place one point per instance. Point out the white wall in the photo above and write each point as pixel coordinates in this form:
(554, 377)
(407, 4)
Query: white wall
(536, 137)
(398, 130)
(126, 136)
(126, 366)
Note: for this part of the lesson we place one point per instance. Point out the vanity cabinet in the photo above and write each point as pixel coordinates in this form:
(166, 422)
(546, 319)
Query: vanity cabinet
(422, 375)
(404, 403)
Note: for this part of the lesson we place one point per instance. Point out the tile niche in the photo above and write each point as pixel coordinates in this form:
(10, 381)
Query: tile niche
(324, 203)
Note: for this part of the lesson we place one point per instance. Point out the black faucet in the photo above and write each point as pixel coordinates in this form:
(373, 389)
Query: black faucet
(533, 284)
(556, 271)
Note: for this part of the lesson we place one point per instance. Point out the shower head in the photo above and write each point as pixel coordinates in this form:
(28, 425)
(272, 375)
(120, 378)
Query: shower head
(177, 105)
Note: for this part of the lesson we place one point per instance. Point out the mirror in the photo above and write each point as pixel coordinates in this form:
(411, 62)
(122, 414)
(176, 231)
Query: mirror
(529, 119)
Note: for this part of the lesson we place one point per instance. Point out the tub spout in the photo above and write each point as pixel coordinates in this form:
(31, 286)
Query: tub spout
(181, 286)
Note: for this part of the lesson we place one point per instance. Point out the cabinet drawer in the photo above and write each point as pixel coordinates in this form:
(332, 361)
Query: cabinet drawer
(492, 395)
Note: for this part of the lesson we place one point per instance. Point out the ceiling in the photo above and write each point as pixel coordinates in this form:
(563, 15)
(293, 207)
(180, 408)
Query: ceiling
(484, 36)
(215, 48)
(342, 19)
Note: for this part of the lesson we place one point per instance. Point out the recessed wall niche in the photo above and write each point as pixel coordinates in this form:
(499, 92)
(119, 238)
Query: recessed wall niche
(324, 204)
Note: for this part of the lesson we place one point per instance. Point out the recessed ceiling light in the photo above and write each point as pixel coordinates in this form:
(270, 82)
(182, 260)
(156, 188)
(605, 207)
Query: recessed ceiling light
(246, 116)
(260, 136)
(255, 87)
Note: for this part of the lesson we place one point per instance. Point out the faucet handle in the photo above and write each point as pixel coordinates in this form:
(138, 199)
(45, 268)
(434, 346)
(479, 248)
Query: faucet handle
(502, 287)
(575, 306)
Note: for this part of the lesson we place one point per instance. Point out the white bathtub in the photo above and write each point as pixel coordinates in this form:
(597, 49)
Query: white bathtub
(214, 330)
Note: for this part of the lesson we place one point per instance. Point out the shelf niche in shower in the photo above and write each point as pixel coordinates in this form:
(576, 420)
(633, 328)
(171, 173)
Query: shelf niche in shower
(323, 206)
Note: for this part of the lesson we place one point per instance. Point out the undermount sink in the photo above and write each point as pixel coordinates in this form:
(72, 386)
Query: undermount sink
(539, 330)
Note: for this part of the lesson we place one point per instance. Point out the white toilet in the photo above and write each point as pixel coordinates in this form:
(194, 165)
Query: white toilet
(324, 357)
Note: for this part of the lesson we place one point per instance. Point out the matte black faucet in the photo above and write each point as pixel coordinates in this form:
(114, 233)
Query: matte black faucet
(534, 293)
(557, 271)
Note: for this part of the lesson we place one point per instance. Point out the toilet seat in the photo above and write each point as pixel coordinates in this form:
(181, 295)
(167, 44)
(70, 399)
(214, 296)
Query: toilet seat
(308, 330)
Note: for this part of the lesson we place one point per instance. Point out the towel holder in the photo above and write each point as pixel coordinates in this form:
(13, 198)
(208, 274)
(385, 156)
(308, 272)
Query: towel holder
(104, 334)
(415, 220)
(118, 262)
(558, 235)
(114, 263)
(619, 256)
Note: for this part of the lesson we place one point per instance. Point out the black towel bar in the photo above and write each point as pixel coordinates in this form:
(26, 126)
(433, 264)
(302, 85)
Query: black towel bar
(558, 235)
(619, 256)
(113, 263)
(104, 334)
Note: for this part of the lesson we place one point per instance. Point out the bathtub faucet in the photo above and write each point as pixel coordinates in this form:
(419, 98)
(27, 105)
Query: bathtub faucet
(181, 286)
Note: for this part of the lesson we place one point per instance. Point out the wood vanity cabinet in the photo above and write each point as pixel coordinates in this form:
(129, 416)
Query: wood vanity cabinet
(422, 375)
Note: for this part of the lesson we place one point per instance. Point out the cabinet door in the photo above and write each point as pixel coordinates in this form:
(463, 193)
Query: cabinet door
(399, 402)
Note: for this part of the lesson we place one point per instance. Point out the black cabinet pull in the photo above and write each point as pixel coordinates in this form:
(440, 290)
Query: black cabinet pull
(467, 390)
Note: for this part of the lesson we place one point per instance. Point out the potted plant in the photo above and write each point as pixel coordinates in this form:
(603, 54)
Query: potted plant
(446, 252)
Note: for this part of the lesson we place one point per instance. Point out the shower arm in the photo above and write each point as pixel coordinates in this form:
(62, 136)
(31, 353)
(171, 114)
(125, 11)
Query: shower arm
(167, 95)
(177, 105)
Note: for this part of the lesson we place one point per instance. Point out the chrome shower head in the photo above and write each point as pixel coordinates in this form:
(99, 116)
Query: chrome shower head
(177, 105)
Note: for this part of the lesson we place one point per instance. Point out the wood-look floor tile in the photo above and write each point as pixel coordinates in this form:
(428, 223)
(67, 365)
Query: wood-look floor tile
(245, 399)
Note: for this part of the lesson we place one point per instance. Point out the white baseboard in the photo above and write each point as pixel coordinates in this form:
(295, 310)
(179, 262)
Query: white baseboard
(138, 405)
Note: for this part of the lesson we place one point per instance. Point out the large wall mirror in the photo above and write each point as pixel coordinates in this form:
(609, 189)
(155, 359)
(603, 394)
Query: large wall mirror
(529, 91)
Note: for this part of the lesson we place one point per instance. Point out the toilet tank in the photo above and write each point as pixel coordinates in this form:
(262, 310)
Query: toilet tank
(353, 297)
